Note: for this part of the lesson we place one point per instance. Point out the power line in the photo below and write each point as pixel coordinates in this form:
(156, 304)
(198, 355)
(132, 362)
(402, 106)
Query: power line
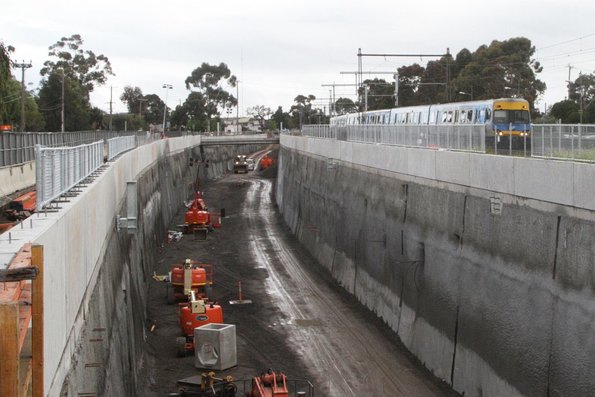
(565, 42)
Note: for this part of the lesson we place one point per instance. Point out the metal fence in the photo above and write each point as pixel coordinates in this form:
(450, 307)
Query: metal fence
(118, 145)
(19, 147)
(563, 141)
(466, 137)
(59, 169)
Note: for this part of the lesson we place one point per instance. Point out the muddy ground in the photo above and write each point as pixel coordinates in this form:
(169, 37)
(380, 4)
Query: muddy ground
(300, 321)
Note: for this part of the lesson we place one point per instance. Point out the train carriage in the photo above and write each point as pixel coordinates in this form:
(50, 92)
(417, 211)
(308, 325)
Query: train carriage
(504, 118)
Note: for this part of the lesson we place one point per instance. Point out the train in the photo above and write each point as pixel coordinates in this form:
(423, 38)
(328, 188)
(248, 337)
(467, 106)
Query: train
(504, 118)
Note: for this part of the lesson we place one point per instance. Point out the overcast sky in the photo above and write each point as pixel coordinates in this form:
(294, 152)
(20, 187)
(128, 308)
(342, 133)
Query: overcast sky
(279, 49)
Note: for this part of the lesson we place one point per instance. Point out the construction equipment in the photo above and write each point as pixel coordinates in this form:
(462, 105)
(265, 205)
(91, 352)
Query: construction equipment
(197, 219)
(270, 384)
(190, 276)
(192, 281)
(208, 385)
(195, 313)
(21, 207)
(265, 162)
(240, 164)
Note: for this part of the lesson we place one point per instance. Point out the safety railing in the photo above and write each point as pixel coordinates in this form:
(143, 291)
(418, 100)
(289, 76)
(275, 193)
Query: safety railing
(59, 169)
(564, 141)
(464, 137)
(319, 131)
(118, 145)
(19, 147)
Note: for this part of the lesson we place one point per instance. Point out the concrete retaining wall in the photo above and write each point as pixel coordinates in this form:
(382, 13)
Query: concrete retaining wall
(480, 264)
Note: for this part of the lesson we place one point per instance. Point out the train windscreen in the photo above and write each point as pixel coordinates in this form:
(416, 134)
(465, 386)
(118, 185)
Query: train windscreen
(511, 116)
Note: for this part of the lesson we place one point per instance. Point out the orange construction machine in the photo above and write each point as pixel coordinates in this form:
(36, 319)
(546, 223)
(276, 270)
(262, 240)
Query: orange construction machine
(21, 207)
(265, 162)
(195, 313)
(197, 218)
(192, 281)
(271, 384)
(190, 276)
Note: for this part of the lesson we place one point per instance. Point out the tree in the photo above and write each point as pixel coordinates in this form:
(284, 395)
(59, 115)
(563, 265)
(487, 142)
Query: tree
(192, 113)
(133, 98)
(79, 65)
(344, 106)
(282, 119)
(209, 80)
(260, 113)
(6, 95)
(409, 79)
(567, 111)
(381, 94)
(301, 111)
(76, 104)
(153, 113)
(502, 69)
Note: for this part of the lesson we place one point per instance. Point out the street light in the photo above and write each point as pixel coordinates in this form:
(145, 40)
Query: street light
(466, 93)
(167, 87)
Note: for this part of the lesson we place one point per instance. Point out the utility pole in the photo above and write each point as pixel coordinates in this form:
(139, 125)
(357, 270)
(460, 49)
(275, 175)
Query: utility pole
(397, 88)
(167, 87)
(23, 66)
(568, 81)
(238, 130)
(110, 107)
(62, 113)
(360, 55)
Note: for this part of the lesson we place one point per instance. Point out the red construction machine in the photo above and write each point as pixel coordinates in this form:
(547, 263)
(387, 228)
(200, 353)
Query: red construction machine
(21, 207)
(271, 384)
(192, 281)
(190, 276)
(195, 313)
(197, 219)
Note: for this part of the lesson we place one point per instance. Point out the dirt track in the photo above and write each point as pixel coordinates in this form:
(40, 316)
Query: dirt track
(300, 321)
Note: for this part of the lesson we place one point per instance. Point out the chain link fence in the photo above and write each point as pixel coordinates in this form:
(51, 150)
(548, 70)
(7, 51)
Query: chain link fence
(59, 169)
(564, 141)
(465, 137)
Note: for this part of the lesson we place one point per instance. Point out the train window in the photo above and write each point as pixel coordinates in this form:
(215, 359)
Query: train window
(488, 114)
(519, 116)
(500, 116)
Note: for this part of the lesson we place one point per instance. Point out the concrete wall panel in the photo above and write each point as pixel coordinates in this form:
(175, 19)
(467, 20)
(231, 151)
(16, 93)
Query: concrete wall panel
(421, 163)
(494, 173)
(584, 186)
(544, 180)
(453, 167)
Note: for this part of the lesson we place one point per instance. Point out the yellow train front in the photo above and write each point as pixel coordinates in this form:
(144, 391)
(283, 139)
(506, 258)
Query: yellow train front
(510, 126)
